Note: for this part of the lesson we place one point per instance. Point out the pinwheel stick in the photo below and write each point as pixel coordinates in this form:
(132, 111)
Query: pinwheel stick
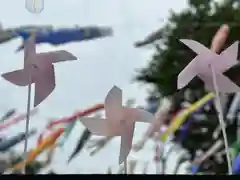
(221, 119)
(213, 149)
(27, 120)
(125, 167)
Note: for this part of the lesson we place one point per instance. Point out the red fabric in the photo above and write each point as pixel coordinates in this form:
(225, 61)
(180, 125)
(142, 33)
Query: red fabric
(15, 120)
(76, 115)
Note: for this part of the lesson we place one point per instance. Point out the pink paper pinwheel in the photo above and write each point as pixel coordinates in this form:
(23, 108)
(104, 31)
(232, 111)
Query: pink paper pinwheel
(39, 68)
(207, 61)
(120, 121)
(209, 67)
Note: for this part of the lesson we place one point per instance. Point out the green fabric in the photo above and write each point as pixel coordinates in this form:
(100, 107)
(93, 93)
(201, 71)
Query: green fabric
(235, 149)
(66, 133)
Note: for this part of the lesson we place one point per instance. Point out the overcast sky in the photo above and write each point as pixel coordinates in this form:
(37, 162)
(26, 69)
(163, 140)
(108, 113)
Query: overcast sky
(101, 63)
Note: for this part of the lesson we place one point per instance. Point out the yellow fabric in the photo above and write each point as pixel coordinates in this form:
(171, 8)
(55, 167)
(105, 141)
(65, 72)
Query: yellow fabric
(47, 143)
(182, 116)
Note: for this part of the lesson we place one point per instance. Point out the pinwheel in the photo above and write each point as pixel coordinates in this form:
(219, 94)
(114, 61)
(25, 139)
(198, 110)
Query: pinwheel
(98, 144)
(120, 121)
(209, 67)
(38, 69)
